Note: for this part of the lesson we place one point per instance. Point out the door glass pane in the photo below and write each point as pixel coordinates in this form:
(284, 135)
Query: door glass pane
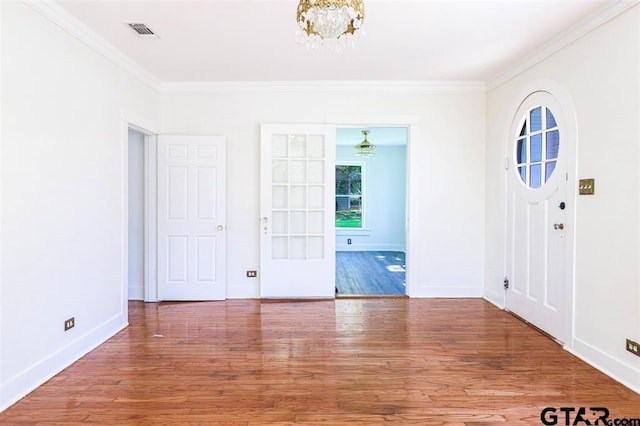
(298, 171)
(316, 171)
(536, 176)
(521, 151)
(549, 170)
(279, 146)
(536, 148)
(522, 171)
(298, 222)
(315, 146)
(536, 120)
(316, 222)
(298, 197)
(316, 197)
(551, 120)
(279, 200)
(553, 143)
(280, 222)
(299, 146)
(280, 171)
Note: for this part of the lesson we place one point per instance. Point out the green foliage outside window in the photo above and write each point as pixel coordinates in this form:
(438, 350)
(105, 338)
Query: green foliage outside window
(349, 196)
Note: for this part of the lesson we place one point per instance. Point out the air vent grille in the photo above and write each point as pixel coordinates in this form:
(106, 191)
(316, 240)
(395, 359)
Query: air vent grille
(142, 30)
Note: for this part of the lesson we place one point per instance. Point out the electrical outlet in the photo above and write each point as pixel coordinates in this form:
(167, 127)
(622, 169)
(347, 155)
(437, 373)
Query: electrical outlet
(69, 324)
(633, 347)
(348, 240)
(252, 274)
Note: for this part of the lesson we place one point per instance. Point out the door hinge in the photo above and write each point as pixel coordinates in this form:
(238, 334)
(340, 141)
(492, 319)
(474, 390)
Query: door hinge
(506, 283)
(506, 163)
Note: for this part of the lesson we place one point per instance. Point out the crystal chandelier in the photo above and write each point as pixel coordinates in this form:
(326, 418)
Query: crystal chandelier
(329, 23)
(365, 148)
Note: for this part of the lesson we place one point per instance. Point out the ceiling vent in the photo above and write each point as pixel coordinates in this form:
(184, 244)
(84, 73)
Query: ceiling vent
(142, 30)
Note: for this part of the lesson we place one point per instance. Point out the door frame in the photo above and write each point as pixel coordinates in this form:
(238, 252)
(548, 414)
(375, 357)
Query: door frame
(412, 219)
(146, 127)
(564, 99)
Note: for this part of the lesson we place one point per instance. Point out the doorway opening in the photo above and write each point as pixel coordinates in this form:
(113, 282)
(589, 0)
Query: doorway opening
(139, 213)
(371, 213)
(137, 219)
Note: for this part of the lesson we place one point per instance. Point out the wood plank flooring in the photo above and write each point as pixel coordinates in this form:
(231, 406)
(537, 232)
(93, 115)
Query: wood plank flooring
(366, 361)
(370, 273)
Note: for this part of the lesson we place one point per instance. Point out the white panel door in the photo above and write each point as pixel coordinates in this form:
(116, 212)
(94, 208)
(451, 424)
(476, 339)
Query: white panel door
(537, 216)
(191, 218)
(297, 228)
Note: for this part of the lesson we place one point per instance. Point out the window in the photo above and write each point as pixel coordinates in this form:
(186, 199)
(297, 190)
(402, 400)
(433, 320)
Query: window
(537, 147)
(349, 196)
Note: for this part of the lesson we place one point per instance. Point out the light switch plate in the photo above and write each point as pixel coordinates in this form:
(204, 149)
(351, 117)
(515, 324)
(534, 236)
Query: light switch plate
(587, 186)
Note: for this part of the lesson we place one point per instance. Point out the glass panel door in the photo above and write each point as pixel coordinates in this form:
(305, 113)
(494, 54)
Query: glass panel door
(297, 234)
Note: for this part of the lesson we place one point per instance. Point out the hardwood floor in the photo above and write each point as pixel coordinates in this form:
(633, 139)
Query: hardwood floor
(370, 273)
(367, 361)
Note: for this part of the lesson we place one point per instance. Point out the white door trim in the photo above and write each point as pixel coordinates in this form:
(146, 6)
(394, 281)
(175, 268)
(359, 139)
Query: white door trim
(562, 96)
(150, 218)
(145, 126)
(413, 217)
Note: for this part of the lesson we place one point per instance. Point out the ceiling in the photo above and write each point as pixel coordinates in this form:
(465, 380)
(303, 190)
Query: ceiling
(254, 40)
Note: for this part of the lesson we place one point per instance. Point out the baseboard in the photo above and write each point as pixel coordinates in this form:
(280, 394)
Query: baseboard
(19, 386)
(243, 291)
(617, 370)
(494, 299)
(446, 291)
(136, 293)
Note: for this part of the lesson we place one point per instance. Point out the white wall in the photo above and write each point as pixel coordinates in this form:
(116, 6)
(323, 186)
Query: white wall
(385, 201)
(136, 215)
(600, 72)
(63, 197)
(446, 159)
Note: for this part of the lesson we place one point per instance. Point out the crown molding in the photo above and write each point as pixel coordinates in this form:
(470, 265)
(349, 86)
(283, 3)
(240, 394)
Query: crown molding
(573, 33)
(326, 86)
(59, 16)
(51, 10)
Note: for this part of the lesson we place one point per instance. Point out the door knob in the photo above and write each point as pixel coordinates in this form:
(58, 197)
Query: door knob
(558, 226)
(220, 227)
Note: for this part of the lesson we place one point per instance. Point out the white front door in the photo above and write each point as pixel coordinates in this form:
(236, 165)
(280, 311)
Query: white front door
(537, 215)
(297, 223)
(191, 218)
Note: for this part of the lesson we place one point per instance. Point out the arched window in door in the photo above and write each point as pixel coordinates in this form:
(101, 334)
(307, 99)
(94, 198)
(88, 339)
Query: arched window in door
(536, 147)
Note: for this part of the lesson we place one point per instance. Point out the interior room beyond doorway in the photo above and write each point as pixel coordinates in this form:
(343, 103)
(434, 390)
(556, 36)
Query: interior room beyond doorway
(371, 199)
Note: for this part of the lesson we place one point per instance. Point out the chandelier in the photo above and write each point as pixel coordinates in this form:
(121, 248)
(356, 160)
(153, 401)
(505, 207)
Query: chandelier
(365, 148)
(329, 23)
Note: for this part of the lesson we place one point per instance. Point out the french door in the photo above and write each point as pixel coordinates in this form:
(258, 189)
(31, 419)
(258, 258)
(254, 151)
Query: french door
(191, 218)
(297, 222)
